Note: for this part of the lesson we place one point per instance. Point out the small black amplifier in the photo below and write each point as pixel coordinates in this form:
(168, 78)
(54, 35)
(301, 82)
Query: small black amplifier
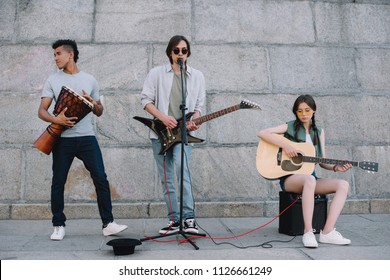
(291, 221)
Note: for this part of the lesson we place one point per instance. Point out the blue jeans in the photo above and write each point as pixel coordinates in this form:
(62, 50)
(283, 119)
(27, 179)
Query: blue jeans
(88, 151)
(173, 161)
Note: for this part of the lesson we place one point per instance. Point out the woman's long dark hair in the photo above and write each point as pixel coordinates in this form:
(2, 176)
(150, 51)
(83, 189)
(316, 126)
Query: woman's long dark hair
(308, 99)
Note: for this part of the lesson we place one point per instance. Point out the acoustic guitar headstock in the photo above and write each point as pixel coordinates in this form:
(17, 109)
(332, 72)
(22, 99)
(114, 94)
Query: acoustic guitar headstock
(369, 166)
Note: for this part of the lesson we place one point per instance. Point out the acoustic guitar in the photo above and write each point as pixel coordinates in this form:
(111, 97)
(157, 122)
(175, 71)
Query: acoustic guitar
(273, 163)
(169, 137)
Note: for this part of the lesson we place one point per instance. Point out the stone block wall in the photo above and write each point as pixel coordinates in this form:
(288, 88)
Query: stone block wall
(268, 52)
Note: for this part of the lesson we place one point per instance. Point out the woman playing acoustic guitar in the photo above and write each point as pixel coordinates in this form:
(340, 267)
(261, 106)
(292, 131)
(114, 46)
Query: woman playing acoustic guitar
(305, 129)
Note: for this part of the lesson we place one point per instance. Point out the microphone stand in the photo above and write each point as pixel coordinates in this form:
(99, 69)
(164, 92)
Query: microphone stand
(184, 141)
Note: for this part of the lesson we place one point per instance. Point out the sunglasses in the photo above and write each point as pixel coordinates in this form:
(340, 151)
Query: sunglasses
(306, 111)
(177, 51)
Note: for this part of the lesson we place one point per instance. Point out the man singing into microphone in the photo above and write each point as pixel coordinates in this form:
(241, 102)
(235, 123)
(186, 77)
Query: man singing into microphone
(161, 97)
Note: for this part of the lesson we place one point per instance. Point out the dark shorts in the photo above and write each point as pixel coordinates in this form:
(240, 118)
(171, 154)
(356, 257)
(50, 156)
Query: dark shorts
(282, 179)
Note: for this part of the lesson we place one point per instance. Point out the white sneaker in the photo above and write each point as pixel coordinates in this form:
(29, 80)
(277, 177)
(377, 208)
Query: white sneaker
(113, 228)
(334, 237)
(172, 227)
(309, 240)
(58, 234)
(190, 226)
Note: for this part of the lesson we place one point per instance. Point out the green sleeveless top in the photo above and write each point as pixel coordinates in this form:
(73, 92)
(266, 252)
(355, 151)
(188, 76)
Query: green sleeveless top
(290, 135)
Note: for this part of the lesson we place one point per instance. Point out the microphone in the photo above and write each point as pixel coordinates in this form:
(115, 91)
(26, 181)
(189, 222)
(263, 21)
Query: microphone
(180, 62)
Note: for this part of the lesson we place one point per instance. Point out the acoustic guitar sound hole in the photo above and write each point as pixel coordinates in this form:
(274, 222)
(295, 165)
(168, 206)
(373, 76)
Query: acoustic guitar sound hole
(298, 159)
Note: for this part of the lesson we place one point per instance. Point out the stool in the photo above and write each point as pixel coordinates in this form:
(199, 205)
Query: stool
(291, 221)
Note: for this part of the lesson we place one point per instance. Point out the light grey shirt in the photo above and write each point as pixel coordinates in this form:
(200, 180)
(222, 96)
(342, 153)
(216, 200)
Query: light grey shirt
(76, 82)
(158, 84)
(176, 97)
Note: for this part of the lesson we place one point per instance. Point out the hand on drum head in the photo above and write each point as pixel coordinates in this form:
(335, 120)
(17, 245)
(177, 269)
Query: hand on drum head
(87, 96)
(64, 120)
(96, 106)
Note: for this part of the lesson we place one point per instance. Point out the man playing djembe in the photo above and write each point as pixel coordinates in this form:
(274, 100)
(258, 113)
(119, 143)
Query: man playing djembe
(78, 140)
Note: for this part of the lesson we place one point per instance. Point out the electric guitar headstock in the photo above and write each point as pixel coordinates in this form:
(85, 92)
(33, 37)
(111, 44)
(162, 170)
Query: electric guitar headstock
(246, 104)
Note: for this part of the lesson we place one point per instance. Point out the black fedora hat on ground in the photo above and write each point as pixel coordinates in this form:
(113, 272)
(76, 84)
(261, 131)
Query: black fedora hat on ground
(124, 246)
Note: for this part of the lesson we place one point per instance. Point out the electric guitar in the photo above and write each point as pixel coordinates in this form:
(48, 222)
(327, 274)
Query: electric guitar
(169, 137)
(273, 163)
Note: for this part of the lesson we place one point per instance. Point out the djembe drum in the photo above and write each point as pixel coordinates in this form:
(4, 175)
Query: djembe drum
(77, 106)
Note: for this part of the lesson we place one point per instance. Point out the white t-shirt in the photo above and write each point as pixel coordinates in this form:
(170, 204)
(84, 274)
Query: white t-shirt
(308, 139)
(76, 82)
